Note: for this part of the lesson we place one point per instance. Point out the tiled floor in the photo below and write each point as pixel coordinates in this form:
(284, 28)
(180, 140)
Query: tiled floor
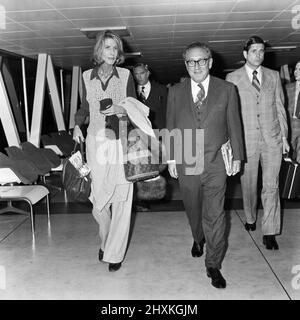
(62, 261)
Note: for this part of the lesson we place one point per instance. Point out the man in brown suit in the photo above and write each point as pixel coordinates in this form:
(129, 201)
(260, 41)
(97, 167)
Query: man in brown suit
(293, 106)
(208, 103)
(265, 128)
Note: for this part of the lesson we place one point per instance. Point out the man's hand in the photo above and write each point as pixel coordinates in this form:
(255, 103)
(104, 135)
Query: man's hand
(236, 167)
(172, 169)
(285, 146)
(77, 134)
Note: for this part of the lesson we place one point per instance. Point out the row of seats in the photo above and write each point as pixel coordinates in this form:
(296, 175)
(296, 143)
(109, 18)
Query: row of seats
(60, 142)
(29, 162)
(25, 164)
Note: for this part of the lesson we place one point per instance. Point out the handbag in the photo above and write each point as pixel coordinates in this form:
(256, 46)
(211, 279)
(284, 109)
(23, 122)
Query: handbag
(76, 177)
(152, 189)
(139, 164)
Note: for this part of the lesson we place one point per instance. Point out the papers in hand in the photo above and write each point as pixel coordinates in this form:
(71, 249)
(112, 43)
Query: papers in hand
(227, 157)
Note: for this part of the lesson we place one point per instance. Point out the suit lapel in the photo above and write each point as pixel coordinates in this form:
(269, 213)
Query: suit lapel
(211, 99)
(152, 92)
(189, 103)
(265, 79)
(246, 82)
(291, 91)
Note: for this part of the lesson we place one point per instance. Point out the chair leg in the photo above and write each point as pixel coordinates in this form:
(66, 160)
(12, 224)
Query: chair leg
(48, 207)
(11, 208)
(49, 185)
(32, 219)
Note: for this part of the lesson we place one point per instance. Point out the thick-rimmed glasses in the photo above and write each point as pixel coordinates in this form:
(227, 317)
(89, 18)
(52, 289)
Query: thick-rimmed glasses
(200, 62)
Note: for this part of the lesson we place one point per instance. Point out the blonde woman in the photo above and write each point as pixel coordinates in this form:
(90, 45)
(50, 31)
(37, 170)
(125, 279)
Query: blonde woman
(111, 193)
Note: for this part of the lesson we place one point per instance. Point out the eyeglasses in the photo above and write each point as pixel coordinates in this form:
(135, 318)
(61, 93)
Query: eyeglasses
(200, 62)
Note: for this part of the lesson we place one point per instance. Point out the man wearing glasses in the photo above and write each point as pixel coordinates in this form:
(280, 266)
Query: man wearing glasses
(265, 128)
(208, 103)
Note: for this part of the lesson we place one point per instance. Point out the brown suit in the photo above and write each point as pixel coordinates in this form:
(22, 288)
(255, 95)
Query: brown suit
(294, 123)
(203, 195)
(264, 121)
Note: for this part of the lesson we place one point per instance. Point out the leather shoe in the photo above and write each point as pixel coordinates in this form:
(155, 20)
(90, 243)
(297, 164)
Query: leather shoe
(114, 266)
(197, 249)
(270, 242)
(101, 253)
(250, 226)
(217, 279)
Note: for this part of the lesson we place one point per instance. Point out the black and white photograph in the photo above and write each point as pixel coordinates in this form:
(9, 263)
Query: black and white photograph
(149, 153)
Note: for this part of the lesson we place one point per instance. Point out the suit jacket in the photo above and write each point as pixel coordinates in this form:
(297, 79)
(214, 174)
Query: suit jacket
(290, 89)
(263, 116)
(157, 102)
(220, 120)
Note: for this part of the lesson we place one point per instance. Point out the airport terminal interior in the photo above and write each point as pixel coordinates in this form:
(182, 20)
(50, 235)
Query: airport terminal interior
(45, 46)
(62, 261)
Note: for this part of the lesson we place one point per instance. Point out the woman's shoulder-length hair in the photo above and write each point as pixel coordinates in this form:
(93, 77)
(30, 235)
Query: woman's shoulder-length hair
(108, 34)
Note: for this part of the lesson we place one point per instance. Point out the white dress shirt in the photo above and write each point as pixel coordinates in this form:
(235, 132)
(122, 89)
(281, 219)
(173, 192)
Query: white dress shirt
(147, 88)
(250, 73)
(195, 88)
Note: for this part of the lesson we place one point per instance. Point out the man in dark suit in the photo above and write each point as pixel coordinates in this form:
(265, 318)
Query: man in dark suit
(208, 103)
(152, 94)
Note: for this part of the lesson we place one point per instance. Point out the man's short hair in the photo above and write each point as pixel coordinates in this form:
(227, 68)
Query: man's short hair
(141, 64)
(197, 44)
(253, 40)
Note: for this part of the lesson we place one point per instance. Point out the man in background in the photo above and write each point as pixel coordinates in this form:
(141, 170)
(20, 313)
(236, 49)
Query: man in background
(293, 107)
(152, 94)
(266, 131)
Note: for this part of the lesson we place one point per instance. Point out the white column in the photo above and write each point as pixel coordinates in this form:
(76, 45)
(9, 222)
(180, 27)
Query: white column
(74, 95)
(7, 118)
(54, 96)
(38, 102)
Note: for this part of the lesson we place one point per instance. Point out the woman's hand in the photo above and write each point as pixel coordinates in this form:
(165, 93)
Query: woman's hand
(77, 134)
(114, 109)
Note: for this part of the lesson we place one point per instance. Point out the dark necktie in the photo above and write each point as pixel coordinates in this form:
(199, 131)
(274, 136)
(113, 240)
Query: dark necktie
(142, 94)
(255, 82)
(297, 111)
(200, 96)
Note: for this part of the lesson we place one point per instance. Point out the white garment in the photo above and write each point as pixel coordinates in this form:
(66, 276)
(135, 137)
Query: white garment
(250, 73)
(147, 88)
(195, 88)
(114, 224)
(138, 113)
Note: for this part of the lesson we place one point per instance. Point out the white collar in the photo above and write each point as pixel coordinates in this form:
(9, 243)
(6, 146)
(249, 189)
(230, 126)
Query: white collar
(195, 88)
(250, 73)
(146, 86)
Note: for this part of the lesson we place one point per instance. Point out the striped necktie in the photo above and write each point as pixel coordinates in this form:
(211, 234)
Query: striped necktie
(142, 94)
(255, 82)
(200, 96)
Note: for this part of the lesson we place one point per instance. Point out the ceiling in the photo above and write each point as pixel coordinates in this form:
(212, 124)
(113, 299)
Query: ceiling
(159, 29)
